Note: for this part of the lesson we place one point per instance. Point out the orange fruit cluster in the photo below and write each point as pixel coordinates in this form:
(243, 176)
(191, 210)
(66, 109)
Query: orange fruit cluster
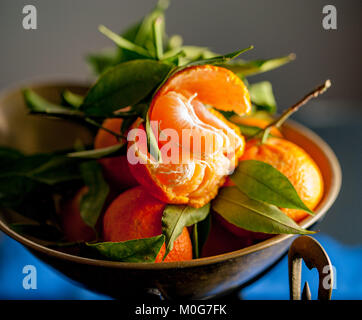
(189, 100)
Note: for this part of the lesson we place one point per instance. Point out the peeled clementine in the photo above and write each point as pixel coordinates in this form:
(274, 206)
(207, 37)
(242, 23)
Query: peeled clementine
(115, 169)
(205, 147)
(135, 214)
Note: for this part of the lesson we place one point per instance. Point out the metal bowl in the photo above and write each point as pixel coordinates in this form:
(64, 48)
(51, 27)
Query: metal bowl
(195, 279)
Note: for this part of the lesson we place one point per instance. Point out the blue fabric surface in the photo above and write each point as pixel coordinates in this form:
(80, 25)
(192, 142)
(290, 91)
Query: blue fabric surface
(52, 285)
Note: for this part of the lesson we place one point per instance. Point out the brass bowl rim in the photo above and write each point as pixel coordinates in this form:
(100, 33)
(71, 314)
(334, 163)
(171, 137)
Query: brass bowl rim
(323, 207)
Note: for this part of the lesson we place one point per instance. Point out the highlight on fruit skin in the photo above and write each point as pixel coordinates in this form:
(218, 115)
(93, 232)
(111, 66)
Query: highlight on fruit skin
(135, 214)
(207, 145)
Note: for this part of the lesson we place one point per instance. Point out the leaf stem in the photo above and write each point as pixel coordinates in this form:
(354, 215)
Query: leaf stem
(157, 32)
(287, 113)
(96, 124)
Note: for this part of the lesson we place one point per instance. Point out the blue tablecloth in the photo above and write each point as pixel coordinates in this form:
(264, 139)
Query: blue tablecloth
(347, 261)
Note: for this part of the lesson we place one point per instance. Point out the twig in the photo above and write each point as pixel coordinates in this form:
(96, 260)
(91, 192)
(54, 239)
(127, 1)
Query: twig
(287, 113)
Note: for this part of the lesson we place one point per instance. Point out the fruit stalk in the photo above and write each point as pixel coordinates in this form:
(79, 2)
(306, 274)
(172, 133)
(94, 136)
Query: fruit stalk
(287, 113)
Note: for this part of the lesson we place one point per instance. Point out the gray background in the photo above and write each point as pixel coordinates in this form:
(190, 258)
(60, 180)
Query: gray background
(67, 31)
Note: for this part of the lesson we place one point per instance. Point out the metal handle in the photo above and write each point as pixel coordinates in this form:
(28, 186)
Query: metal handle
(314, 256)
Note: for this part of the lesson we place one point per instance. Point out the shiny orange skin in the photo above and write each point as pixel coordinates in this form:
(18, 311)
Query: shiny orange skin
(135, 214)
(73, 225)
(115, 169)
(221, 240)
(181, 104)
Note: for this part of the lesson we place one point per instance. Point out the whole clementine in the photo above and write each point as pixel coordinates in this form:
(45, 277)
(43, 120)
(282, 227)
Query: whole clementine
(135, 214)
(73, 225)
(297, 165)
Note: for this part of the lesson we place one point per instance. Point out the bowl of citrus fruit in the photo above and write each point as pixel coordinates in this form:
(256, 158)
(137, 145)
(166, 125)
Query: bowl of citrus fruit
(170, 173)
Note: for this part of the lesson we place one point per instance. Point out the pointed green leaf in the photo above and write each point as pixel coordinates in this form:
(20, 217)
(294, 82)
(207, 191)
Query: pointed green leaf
(92, 202)
(261, 181)
(248, 68)
(140, 250)
(176, 217)
(124, 85)
(219, 59)
(240, 210)
(37, 104)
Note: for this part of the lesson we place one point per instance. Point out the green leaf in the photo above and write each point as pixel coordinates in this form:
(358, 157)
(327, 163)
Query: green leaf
(248, 68)
(72, 99)
(26, 175)
(240, 210)
(140, 250)
(261, 181)
(173, 57)
(176, 217)
(124, 85)
(145, 35)
(37, 104)
(219, 59)
(261, 94)
(44, 168)
(92, 202)
(200, 234)
(97, 153)
(124, 43)
(158, 35)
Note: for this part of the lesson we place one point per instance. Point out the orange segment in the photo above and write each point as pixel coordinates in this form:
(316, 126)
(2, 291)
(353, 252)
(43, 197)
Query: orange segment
(215, 86)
